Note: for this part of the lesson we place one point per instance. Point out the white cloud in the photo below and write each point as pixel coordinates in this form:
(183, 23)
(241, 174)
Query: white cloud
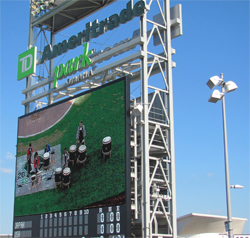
(9, 155)
(215, 212)
(210, 174)
(7, 171)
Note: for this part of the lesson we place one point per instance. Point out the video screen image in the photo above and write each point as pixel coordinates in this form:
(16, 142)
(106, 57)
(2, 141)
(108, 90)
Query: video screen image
(71, 155)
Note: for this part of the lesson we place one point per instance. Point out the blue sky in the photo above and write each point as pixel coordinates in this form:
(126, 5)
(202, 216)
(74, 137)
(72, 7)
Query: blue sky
(215, 40)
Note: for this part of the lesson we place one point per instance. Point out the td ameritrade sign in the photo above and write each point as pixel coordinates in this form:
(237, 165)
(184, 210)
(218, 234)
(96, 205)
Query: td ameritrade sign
(27, 60)
(94, 29)
(26, 63)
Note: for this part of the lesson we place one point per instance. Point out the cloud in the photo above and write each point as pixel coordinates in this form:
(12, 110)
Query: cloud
(210, 174)
(6, 171)
(215, 212)
(9, 155)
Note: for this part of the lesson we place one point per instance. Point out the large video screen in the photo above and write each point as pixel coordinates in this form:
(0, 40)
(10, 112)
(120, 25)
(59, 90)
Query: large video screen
(72, 167)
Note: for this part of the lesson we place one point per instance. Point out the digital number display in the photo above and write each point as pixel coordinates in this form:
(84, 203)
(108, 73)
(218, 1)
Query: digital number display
(100, 217)
(110, 228)
(110, 217)
(100, 229)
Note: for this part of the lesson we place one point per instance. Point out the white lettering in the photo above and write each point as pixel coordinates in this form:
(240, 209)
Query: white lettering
(81, 77)
(25, 62)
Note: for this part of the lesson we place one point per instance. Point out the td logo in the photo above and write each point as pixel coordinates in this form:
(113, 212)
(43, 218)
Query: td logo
(26, 63)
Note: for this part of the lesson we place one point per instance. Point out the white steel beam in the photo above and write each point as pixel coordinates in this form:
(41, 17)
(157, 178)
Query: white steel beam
(145, 133)
(168, 69)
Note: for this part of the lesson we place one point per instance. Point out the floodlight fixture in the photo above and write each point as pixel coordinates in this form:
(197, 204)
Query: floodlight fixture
(38, 6)
(138, 109)
(230, 86)
(216, 96)
(213, 81)
(33, 13)
(225, 86)
(237, 186)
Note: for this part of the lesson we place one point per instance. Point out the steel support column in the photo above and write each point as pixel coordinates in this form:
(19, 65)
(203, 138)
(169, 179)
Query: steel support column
(171, 116)
(30, 43)
(145, 132)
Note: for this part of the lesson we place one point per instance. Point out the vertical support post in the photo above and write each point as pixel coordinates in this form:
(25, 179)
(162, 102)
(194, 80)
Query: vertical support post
(30, 42)
(228, 196)
(171, 116)
(51, 69)
(135, 165)
(145, 132)
(51, 65)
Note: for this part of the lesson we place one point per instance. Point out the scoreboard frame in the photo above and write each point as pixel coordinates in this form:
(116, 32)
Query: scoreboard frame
(112, 220)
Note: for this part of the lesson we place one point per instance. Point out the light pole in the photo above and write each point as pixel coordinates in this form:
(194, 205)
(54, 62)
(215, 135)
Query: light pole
(217, 95)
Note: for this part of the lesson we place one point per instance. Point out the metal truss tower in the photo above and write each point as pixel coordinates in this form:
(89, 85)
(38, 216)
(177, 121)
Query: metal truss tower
(152, 140)
(153, 188)
(59, 16)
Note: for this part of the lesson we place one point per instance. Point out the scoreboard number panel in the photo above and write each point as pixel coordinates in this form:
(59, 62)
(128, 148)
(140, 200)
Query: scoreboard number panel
(98, 222)
(108, 218)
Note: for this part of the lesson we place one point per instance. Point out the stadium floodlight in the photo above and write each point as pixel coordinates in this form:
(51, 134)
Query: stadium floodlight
(33, 13)
(225, 86)
(230, 86)
(237, 186)
(216, 96)
(38, 6)
(138, 109)
(213, 81)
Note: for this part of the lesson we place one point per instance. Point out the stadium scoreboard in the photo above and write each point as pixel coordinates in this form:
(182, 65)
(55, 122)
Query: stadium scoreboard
(95, 201)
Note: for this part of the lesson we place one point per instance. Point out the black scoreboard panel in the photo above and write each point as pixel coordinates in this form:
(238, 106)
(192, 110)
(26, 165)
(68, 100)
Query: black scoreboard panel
(100, 222)
(97, 201)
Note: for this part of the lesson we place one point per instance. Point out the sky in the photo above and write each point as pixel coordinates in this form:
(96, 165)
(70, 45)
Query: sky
(215, 40)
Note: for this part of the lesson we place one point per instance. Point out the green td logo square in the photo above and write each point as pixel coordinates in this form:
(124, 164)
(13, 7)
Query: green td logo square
(26, 63)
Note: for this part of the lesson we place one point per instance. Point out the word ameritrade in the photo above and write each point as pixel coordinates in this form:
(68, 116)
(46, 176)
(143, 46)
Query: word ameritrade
(94, 29)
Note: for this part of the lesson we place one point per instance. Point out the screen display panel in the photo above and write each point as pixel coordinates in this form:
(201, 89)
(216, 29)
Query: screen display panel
(73, 167)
